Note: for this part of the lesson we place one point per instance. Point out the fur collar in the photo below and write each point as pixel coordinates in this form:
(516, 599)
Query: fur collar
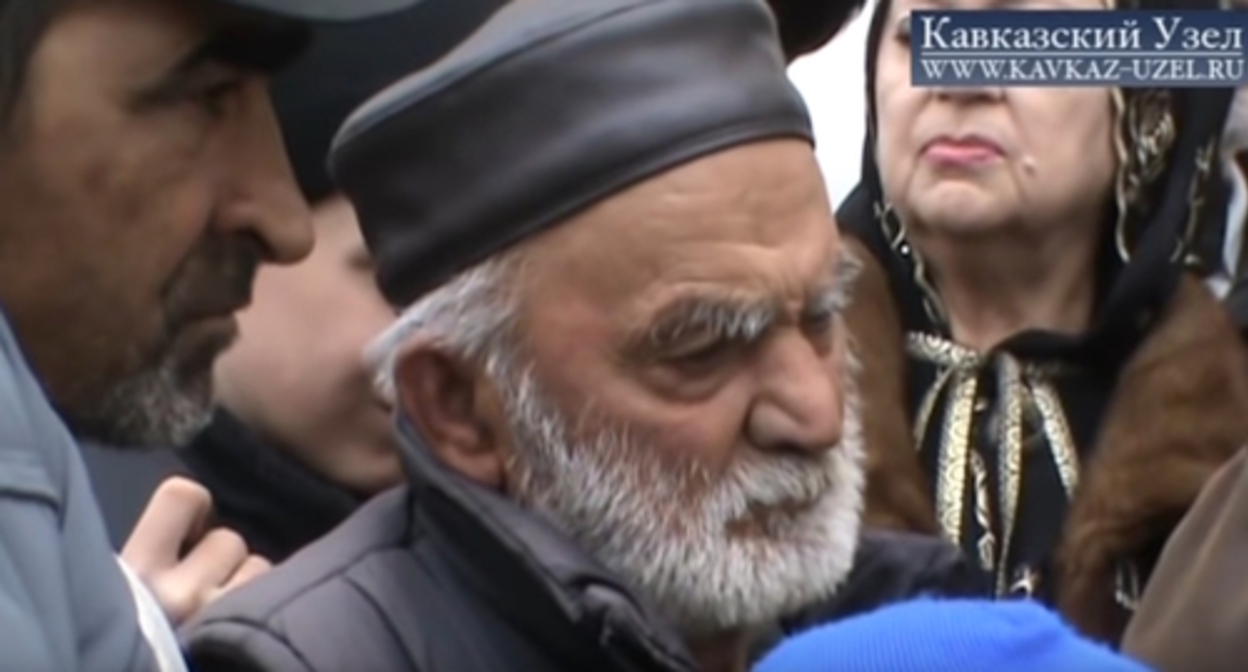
(1180, 411)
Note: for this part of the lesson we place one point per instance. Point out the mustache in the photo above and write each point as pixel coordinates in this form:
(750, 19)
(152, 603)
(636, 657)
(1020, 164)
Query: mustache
(549, 447)
(215, 279)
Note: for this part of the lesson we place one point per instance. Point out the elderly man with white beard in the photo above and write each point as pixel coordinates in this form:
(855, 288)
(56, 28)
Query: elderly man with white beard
(626, 397)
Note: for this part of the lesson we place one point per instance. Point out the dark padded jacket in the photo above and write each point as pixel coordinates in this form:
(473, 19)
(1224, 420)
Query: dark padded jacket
(444, 576)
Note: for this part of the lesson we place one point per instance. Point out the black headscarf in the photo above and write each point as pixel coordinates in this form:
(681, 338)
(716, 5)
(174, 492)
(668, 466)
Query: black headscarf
(807, 25)
(1170, 137)
(348, 63)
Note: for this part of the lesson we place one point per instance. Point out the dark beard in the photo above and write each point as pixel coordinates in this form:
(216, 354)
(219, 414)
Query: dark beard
(167, 401)
(153, 409)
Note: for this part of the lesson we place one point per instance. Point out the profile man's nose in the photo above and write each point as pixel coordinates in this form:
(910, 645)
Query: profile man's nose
(266, 200)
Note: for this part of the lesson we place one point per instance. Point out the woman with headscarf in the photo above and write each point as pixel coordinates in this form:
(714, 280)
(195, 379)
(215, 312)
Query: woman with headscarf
(1045, 383)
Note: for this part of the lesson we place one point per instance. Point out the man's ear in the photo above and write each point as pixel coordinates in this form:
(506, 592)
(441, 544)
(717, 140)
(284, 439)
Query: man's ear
(454, 408)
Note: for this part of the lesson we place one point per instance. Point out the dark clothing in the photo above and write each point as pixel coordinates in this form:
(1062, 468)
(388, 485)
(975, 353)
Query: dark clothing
(889, 567)
(1004, 436)
(807, 25)
(438, 576)
(446, 576)
(893, 567)
(346, 64)
(275, 503)
(1177, 410)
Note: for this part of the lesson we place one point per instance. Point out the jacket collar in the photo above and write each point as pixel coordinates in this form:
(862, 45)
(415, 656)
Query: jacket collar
(277, 503)
(532, 574)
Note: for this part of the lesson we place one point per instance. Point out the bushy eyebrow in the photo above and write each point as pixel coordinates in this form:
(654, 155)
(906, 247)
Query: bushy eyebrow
(724, 317)
(834, 296)
(739, 319)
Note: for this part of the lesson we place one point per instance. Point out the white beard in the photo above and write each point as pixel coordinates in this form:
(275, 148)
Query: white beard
(661, 523)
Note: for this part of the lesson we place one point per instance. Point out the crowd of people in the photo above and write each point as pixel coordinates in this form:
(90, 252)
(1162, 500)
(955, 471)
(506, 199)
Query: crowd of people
(522, 335)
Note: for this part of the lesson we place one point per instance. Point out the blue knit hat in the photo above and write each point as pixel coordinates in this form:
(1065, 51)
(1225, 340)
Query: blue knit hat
(947, 636)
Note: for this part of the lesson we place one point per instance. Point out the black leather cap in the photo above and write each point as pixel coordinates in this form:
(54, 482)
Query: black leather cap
(347, 63)
(323, 10)
(553, 106)
(807, 25)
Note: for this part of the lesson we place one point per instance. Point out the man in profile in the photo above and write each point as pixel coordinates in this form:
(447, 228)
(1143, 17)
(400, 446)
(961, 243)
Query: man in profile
(299, 439)
(142, 181)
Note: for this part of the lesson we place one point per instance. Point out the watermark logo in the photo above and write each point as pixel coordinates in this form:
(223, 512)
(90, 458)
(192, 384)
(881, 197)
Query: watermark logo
(1078, 48)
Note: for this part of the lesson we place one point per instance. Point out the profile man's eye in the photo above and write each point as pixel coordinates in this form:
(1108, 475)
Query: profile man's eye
(215, 98)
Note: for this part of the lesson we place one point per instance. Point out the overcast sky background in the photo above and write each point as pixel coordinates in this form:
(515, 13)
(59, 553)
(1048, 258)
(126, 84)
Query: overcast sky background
(832, 81)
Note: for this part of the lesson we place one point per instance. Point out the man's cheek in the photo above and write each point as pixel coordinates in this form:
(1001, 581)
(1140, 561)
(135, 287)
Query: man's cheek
(709, 435)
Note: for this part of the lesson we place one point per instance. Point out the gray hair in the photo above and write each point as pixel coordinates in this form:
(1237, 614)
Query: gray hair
(473, 316)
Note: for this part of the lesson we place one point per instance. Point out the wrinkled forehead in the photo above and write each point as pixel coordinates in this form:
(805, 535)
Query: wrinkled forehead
(151, 36)
(754, 217)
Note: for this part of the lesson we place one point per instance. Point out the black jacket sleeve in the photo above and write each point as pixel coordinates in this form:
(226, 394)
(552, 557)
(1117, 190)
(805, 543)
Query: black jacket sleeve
(889, 567)
(894, 567)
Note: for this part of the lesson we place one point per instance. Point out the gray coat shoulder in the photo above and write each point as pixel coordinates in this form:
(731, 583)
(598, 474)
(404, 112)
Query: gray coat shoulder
(64, 604)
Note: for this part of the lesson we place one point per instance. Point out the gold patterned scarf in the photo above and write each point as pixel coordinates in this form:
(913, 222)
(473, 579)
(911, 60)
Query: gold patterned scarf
(1029, 413)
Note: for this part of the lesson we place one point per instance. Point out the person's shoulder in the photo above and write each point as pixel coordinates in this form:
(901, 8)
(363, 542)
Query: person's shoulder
(241, 646)
(377, 529)
(1194, 610)
(36, 449)
(316, 610)
(48, 505)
